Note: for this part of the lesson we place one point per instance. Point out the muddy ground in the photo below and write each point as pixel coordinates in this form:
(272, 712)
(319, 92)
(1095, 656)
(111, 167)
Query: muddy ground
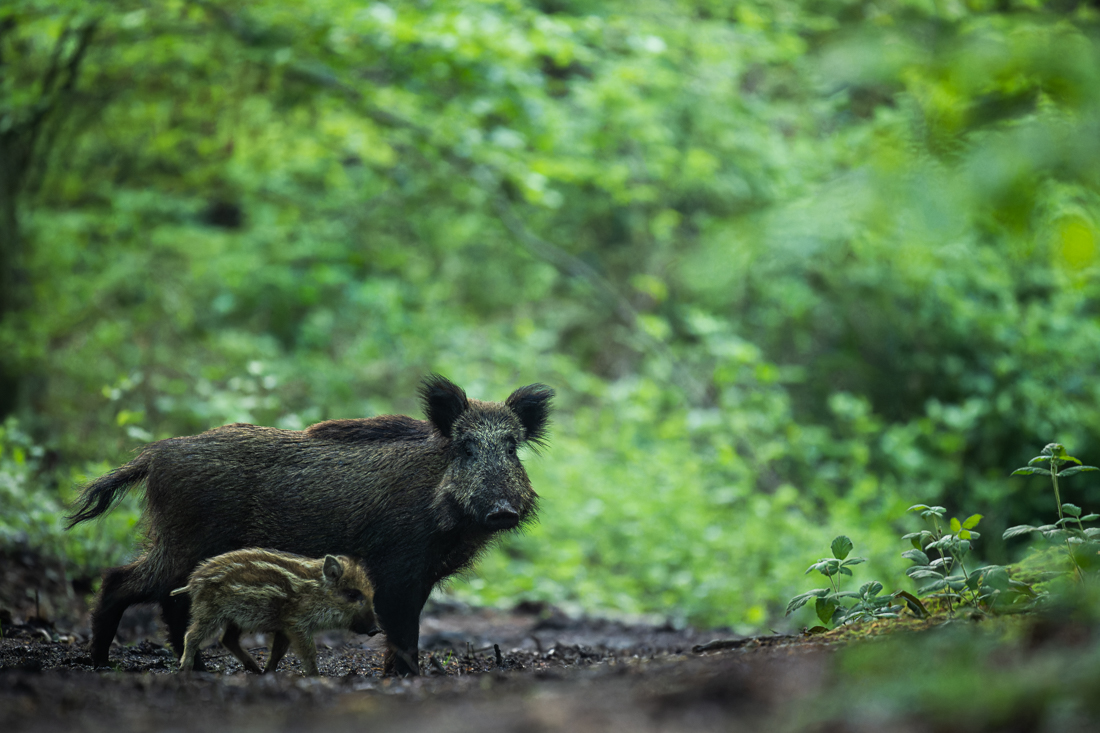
(532, 668)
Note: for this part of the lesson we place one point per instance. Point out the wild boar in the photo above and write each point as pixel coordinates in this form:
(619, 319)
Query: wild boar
(289, 596)
(415, 500)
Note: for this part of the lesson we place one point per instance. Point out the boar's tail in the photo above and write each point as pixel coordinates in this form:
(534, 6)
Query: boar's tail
(106, 491)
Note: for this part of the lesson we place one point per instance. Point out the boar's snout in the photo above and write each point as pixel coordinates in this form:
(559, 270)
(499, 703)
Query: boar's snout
(502, 516)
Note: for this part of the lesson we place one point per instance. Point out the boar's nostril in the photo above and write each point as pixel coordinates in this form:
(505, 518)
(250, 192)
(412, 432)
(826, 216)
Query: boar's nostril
(502, 516)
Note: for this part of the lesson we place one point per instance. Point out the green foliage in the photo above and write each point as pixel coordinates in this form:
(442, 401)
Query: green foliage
(828, 602)
(945, 578)
(1081, 543)
(787, 263)
(33, 515)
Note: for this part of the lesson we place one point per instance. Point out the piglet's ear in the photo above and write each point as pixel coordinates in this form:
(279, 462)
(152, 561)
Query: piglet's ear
(333, 569)
(444, 402)
(532, 406)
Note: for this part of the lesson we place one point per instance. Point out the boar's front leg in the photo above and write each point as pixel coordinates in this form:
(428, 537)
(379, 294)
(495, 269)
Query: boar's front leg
(399, 616)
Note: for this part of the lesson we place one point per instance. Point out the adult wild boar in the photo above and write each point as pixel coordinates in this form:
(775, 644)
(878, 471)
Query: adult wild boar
(415, 500)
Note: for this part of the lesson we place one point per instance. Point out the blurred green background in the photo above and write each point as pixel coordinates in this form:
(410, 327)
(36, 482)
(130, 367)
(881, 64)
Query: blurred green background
(791, 266)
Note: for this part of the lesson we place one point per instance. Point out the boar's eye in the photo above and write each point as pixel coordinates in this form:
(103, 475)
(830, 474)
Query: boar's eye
(511, 448)
(469, 448)
(354, 595)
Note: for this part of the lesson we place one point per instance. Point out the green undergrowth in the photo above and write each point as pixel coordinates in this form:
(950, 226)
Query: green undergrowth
(1032, 672)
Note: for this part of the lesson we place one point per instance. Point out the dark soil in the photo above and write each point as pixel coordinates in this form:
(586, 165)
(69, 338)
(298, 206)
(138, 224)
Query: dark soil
(530, 669)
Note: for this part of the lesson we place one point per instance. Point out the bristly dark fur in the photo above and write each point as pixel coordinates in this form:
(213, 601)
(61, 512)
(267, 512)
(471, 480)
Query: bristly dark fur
(416, 501)
(532, 404)
(443, 402)
(381, 428)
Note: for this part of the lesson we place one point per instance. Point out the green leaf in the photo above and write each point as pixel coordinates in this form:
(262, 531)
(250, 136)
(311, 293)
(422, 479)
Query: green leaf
(995, 576)
(825, 608)
(916, 556)
(841, 547)
(913, 603)
(1055, 450)
(1077, 469)
(800, 600)
(921, 573)
(1038, 459)
(853, 561)
(1072, 509)
(1090, 517)
(873, 588)
(917, 507)
(1030, 470)
(1016, 531)
(972, 521)
(956, 527)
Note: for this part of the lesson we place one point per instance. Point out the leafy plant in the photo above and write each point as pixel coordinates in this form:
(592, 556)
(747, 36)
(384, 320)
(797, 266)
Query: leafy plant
(1081, 542)
(948, 579)
(828, 601)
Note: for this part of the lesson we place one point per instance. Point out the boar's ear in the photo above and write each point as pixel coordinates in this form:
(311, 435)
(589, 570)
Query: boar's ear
(532, 406)
(444, 402)
(333, 569)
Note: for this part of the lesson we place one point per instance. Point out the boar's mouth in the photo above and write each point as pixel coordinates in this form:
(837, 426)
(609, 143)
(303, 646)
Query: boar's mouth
(501, 516)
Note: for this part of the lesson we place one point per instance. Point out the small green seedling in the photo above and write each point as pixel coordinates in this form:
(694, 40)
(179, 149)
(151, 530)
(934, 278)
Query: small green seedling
(827, 601)
(947, 576)
(1081, 542)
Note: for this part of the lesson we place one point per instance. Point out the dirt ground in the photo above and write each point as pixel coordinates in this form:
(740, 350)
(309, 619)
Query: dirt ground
(529, 669)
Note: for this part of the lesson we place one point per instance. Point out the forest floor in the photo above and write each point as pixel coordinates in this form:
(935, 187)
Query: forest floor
(530, 669)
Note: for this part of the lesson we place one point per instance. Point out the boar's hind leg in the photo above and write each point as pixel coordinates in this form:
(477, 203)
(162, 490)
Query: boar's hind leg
(122, 587)
(231, 640)
(176, 611)
(279, 645)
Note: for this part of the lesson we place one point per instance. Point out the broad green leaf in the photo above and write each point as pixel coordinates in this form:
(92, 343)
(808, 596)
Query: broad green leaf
(955, 525)
(1072, 509)
(853, 561)
(825, 608)
(1030, 470)
(872, 588)
(1077, 469)
(913, 603)
(1090, 517)
(922, 573)
(972, 521)
(916, 556)
(841, 547)
(800, 600)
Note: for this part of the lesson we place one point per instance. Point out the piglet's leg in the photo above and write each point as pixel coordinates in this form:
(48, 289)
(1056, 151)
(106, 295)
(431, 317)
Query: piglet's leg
(231, 640)
(279, 645)
(303, 646)
(193, 640)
